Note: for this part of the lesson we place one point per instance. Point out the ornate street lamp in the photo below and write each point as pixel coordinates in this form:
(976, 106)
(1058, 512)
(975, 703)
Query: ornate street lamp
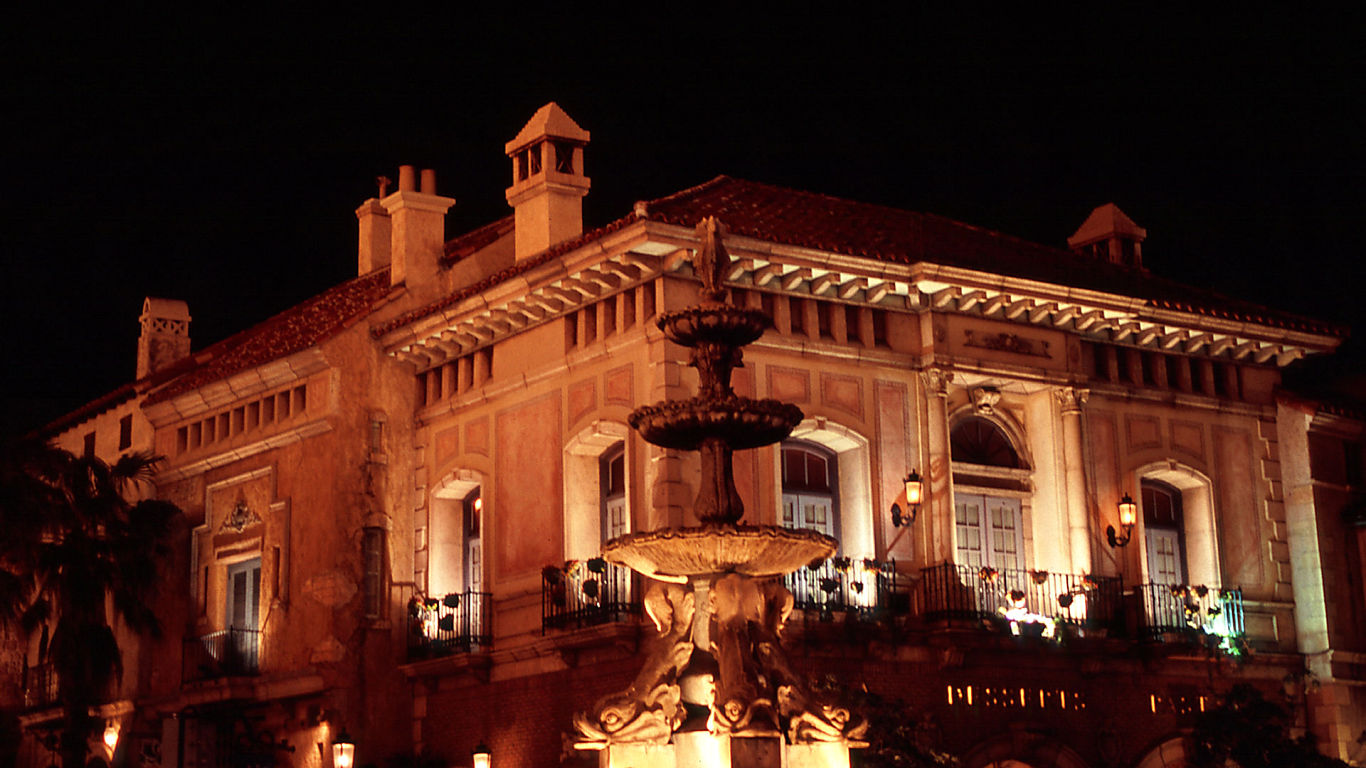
(915, 489)
(1128, 515)
(343, 751)
(481, 757)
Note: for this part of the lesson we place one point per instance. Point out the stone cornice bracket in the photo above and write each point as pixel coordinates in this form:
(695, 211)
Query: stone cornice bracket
(1071, 398)
(936, 381)
(984, 399)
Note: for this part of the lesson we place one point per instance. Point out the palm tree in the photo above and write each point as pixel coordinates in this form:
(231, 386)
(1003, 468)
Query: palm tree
(76, 540)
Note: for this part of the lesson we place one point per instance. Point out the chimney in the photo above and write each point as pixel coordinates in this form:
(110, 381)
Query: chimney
(548, 183)
(417, 229)
(373, 249)
(165, 336)
(1110, 235)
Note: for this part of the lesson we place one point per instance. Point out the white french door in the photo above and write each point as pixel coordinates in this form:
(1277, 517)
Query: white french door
(811, 511)
(990, 531)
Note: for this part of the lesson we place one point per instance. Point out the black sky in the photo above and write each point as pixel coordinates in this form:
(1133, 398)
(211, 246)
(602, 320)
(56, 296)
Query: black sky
(219, 160)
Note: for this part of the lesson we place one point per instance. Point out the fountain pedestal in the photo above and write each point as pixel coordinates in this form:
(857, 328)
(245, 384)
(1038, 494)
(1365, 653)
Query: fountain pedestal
(716, 689)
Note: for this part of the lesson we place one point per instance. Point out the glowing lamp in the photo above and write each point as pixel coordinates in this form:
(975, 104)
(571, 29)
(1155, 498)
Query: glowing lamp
(1128, 515)
(915, 490)
(1128, 511)
(481, 757)
(343, 751)
(111, 735)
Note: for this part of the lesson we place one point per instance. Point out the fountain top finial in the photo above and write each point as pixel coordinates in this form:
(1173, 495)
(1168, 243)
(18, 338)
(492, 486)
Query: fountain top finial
(711, 261)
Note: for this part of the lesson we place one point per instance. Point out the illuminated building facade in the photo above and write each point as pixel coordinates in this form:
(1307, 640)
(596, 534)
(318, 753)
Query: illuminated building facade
(397, 490)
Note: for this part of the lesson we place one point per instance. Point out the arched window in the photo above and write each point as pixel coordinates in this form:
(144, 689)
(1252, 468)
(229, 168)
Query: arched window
(1163, 527)
(810, 487)
(455, 552)
(988, 524)
(597, 488)
(976, 440)
(612, 489)
(472, 509)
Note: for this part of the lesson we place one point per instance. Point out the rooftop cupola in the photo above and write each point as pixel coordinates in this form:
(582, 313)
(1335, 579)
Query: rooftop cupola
(548, 183)
(165, 337)
(1110, 235)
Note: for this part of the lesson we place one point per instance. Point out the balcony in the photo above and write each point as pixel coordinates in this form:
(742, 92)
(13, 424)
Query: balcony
(867, 589)
(1193, 612)
(587, 594)
(1027, 602)
(226, 653)
(40, 686)
(457, 623)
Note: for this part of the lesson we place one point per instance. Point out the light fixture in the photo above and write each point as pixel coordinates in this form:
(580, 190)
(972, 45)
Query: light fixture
(481, 757)
(915, 490)
(111, 735)
(1128, 515)
(343, 751)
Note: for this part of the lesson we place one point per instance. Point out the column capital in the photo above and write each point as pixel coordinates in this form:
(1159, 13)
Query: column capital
(1071, 398)
(936, 381)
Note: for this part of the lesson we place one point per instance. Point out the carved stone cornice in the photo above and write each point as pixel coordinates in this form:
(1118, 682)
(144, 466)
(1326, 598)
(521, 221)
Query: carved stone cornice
(936, 381)
(1071, 399)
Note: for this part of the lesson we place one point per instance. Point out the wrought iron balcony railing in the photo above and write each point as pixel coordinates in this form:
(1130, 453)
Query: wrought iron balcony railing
(40, 686)
(226, 653)
(588, 593)
(457, 623)
(1026, 601)
(867, 588)
(1192, 610)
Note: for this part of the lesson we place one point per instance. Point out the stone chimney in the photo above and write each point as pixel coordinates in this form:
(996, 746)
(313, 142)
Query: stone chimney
(1110, 235)
(548, 183)
(372, 252)
(165, 336)
(417, 229)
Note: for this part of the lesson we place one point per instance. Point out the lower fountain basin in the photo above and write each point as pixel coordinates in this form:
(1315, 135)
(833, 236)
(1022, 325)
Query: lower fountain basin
(741, 422)
(675, 553)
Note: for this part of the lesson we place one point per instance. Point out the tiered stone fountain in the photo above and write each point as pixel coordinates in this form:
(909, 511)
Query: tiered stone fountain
(716, 689)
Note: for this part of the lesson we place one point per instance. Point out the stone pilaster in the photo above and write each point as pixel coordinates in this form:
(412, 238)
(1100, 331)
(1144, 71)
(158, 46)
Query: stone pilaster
(1071, 400)
(939, 506)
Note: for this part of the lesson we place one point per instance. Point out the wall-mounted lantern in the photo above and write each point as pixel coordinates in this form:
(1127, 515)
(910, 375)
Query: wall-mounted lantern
(1128, 515)
(915, 489)
(343, 751)
(481, 757)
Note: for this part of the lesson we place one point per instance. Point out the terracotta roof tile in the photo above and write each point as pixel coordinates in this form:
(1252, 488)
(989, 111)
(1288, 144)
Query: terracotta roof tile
(520, 267)
(297, 328)
(478, 238)
(811, 220)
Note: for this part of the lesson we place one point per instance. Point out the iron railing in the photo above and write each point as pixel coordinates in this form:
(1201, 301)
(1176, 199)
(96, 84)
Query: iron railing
(457, 623)
(866, 588)
(1022, 598)
(40, 686)
(226, 653)
(1185, 609)
(595, 592)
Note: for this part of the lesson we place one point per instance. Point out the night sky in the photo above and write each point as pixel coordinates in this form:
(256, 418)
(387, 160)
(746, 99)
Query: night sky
(219, 161)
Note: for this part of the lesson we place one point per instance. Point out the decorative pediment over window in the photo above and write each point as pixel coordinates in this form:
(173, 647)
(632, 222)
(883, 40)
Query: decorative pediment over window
(240, 518)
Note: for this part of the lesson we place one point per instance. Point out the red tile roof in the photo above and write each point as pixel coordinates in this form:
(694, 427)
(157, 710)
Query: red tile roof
(476, 239)
(752, 209)
(811, 220)
(520, 267)
(297, 328)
